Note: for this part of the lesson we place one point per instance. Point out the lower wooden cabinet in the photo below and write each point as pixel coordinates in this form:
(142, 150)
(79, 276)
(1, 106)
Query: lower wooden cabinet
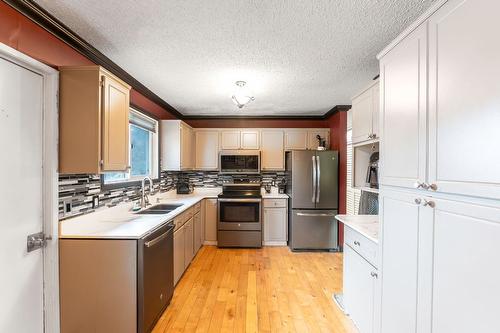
(198, 236)
(179, 256)
(210, 222)
(188, 242)
(275, 222)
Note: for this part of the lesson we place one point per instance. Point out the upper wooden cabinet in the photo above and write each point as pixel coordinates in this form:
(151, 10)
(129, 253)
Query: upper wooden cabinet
(207, 150)
(296, 139)
(177, 142)
(365, 109)
(239, 139)
(93, 121)
(272, 150)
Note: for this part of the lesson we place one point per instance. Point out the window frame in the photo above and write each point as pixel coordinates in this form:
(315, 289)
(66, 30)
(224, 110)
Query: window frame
(155, 154)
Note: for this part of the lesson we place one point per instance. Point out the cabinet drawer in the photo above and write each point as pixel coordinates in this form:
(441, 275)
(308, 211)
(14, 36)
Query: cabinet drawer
(274, 203)
(197, 207)
(359, 243)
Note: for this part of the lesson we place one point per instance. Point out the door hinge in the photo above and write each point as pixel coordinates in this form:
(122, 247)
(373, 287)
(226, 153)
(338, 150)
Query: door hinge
(37, 241)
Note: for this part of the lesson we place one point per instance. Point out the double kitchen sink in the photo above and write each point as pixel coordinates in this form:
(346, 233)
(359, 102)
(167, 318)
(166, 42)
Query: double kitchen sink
(159, 209)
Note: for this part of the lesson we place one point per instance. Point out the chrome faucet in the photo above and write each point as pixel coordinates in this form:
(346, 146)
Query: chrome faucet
(144, 198)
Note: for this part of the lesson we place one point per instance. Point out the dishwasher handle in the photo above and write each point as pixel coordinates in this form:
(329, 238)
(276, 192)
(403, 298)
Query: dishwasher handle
(158, 239)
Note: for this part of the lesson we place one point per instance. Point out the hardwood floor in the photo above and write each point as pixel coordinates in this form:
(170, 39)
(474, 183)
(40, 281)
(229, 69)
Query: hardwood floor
(262, 290)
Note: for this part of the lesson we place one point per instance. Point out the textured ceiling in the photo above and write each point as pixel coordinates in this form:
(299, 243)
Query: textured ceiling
(298, 57)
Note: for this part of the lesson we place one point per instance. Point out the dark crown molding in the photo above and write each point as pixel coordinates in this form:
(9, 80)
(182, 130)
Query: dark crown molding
(48, 22)
(51, 24)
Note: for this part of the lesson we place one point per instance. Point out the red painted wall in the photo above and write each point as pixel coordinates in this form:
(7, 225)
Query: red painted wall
(338, 139)
(22, 34)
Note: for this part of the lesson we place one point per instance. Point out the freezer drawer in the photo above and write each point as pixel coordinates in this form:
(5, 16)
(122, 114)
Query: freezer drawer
(313, 230)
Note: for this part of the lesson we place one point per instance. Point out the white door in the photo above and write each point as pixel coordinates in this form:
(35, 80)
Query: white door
(275, 228)
(207, 150)
(249, 139)
(403, 112)
(362, 111)
(359, 289)
(179, 248)
(21, 140)
(211, 220)
(230, 139)
(295, 139)
(464, 98)
(462, 272)
(399, 218)
(272, 150)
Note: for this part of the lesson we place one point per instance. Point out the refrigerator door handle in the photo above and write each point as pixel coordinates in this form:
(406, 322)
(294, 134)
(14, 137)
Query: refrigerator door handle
(318, 179)
(312, 215)
(314, 178)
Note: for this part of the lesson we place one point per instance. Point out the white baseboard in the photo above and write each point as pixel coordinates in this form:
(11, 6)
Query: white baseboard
(274, 243)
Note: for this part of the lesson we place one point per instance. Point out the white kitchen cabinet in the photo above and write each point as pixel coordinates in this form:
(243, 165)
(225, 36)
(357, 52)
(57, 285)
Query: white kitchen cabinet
(272, 150)
(198, 241)
(296, 139)
(250, 139)
(188, 242)
(312, 141)
(359, 289)
(179, 249)
(230, 139)
(404, 114)
(177, 146)
(275, 222)
(207, 150)
(464, 103)
(399, 236)
(365, 108)
(211, 221)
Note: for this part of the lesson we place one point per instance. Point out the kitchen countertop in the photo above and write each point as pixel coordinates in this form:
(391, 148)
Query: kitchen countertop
(367, 225)
(273, 195)
(120, 222)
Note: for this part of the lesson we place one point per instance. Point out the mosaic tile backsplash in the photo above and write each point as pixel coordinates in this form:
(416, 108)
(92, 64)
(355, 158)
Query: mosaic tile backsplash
(79, 190)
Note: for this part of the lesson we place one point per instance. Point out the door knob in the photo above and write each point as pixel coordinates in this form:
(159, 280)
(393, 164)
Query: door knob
(418, 201)
(429, 203)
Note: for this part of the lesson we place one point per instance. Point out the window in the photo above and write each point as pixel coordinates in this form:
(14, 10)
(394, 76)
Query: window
(143, 138)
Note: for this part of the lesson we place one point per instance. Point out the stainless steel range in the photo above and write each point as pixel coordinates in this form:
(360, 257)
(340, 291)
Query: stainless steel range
(239, 214)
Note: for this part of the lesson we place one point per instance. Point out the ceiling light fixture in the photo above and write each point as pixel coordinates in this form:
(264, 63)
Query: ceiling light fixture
(242, 96)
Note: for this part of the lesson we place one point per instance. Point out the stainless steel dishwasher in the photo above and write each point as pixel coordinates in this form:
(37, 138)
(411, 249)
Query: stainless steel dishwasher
(155, 270)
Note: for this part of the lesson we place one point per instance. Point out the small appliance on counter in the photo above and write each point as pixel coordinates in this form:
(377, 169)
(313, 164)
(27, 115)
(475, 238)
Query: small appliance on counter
(282, 186)
(372, 172)
(183, 187)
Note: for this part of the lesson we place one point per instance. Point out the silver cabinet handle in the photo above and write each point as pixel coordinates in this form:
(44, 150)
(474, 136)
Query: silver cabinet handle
(314, 177)
(432, 187)
(419, 184)
(357, 243)
(320, 214)
(318, 178)
(374, 274)
(429, 203)
(418, 201)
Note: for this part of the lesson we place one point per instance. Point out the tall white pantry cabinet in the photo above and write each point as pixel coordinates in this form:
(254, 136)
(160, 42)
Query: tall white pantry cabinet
(440, 172)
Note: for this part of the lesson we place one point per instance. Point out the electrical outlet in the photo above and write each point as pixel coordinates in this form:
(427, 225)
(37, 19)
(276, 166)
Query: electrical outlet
(68, 207)
(95, 201)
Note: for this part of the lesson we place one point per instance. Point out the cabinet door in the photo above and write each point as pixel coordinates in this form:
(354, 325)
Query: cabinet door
(272, 150)
(376, 110)
(185, 144)
(359, 289)
(197, 232)
(295, 139)
(211, 220)
(250, 139)
(179, 246)
(188, 242)
(403, 114)
(115, 127)
(275, 225)
(230, 139)
(399, 239)
(362, 111)
(312, 141)
(464, 103)
(207, 150)
(463, 266)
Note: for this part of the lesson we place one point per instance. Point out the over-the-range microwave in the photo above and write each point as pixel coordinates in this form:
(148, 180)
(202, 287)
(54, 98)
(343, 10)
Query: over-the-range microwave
(239, 161)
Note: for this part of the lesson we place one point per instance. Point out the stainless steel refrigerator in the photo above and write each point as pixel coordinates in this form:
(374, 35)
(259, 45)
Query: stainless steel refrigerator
(312, 184)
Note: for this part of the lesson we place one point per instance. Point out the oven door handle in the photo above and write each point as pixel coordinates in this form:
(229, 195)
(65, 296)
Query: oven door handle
(240, 200)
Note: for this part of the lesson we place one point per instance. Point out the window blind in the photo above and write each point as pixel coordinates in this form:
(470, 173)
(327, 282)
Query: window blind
(142, 121)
